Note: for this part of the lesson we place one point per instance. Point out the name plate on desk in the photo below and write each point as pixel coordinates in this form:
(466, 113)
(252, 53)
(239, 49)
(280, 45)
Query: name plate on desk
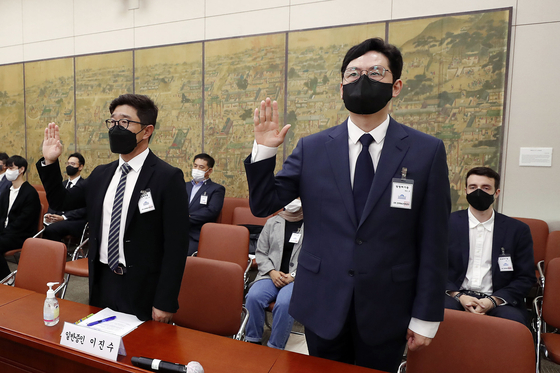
(91, 341)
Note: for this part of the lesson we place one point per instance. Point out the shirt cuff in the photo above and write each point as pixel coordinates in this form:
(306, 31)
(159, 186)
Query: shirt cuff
(424, 328)
(262, 152)
(64, 217)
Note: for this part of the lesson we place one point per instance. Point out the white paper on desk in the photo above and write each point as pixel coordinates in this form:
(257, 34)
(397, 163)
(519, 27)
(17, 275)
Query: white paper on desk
(121, 326)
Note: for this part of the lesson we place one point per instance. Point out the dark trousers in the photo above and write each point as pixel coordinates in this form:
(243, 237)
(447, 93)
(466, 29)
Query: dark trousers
(7, 243)
(57, 231)
(109, 290)
(349, 347)
(506, 311)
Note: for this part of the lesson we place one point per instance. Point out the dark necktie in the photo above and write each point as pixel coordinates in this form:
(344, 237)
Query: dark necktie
(114, 229)
(363, 175)
(68, 184)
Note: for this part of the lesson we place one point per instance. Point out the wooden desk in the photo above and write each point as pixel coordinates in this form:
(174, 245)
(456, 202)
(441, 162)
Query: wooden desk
(27, 345)
(9, 294)
(298, 363)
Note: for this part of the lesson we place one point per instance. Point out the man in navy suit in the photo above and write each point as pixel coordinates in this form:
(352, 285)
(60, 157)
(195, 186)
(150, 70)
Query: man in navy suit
(68, 223)
(206, 198)
(375, 249)
(491, 268)
(137, 213)
(20, 208)
(5, 184)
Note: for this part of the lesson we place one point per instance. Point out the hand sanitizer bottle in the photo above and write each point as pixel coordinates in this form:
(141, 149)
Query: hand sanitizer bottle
(50, 309)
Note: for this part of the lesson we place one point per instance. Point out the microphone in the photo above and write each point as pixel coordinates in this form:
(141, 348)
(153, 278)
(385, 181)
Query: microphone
(165, 366)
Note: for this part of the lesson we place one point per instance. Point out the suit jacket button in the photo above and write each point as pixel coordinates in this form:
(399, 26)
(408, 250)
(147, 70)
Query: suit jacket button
(351, 273)
(359, 242)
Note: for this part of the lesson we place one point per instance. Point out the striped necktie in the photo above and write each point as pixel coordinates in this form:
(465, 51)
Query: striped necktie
(114, 230)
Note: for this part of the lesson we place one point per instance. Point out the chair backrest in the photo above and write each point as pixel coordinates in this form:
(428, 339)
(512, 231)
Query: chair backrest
(465, 341)
(539, 232)
(243, 215)
(225, 242)
(38, 187)
(230, 203)
(41, 261)
(552, 248)
(551, 295)
(211, 296)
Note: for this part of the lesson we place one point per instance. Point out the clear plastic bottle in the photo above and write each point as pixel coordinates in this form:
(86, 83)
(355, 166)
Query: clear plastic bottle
(50, 309)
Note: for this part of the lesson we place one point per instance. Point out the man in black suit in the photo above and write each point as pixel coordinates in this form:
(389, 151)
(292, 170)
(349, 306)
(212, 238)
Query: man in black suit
(67, 223)
(206, 198)
(20, 208)
(5, 184)
(491, 267)
(137, 213)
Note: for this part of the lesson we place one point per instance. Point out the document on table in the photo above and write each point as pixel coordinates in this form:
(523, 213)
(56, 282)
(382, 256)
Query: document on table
(123, 324)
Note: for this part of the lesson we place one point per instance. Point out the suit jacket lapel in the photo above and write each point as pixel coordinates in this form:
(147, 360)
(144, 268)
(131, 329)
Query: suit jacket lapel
(145, 175)
(497, 241)
(395, 147)
(337, 152)
(464, 242)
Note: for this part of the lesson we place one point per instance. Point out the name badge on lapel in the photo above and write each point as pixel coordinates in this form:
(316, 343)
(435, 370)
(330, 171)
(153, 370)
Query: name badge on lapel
(146, 204)
(203, 199)
(401, 193)
(504, 262)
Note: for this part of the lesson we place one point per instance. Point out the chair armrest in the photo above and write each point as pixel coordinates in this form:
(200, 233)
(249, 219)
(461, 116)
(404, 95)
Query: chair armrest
(240, 336)
(540, 268)
(6, 280)
(79, 250)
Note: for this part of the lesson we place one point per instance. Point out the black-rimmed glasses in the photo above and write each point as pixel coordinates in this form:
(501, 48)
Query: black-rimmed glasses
(121, 123)
(376, 73)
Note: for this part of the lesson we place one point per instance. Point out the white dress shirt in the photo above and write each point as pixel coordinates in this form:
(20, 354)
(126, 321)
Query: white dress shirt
(136, 164)
(479, 270)
(261, 152)
(13, 195)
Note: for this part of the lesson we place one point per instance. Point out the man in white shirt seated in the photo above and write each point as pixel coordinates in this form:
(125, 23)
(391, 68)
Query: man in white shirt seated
(491, 268)
(19, 211)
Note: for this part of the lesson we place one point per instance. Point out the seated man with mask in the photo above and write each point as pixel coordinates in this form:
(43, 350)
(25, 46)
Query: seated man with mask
(67, 223)
(277, 258)
(206, 198)
(491, 267)
(19, 210)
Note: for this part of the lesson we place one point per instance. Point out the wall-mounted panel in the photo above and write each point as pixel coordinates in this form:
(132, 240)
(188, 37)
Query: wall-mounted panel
(12, 120)
(49, 97)
(239, 74)
(99, 79)
(454, 85)
(314, 62)
(172, 77)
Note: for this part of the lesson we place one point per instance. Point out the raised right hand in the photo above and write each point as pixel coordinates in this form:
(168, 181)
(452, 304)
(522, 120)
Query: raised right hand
(266, 125)
(52, 148)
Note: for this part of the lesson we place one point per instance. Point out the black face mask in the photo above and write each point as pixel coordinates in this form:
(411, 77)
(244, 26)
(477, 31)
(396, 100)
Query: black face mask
(71, 171)
(480, 200)
(122, 141)
(366, 96)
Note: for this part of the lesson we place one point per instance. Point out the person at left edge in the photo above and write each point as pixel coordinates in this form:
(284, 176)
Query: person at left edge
(206, 198)
(5, 184)
(19, 210)
(153, 236)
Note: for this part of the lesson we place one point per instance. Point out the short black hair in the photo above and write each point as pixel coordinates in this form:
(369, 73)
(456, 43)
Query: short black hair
(205, 157)
(17, 161)
(80, 157)
(146, 109)
(485, 171)
(4, 157)
(392, 53)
